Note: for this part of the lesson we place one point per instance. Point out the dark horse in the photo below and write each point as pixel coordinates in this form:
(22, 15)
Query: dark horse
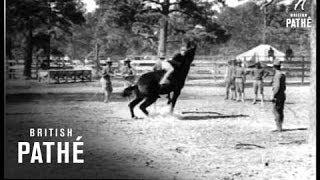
(148, 86)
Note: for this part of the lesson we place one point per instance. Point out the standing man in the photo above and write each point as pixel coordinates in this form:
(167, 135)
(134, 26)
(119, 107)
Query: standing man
(289, 54)
(279, 96)
(240, 75)
(259, 74)
(230, 79)
(128, 73)
(271, 54)
(107, 73)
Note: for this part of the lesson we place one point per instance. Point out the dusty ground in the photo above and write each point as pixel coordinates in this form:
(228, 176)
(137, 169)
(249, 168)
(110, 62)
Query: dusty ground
(203, 140)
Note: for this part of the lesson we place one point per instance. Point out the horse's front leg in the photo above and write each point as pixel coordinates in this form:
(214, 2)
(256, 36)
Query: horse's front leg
(174, 100)
(132, 104)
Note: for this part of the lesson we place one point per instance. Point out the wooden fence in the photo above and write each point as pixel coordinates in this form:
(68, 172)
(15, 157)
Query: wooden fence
(209, 68)
(216, 70)
(202, 68)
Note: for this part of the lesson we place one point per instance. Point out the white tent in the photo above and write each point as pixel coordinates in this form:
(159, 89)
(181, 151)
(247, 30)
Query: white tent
(260, 53)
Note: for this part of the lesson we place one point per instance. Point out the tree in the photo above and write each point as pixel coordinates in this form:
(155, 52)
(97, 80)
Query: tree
(26, 16)
(246, 22)
(153, 21)
(80, 44)
(192, 11)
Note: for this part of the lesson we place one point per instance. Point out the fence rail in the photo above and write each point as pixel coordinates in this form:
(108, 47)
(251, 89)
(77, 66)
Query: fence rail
(207, 69)
(202, 68)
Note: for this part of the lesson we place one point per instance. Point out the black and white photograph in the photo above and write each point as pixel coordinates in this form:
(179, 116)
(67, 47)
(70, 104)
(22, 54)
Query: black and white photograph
(160, 89)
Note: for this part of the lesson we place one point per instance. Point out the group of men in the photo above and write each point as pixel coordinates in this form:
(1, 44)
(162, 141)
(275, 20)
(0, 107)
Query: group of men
(288, 55)
(235, 82)
(127, 72)
(236, 78)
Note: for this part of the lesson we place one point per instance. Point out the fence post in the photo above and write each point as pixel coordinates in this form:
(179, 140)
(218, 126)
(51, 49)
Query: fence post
(302, 78)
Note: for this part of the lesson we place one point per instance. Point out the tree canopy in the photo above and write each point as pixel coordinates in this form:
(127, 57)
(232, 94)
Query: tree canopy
(145, 27)
(42, 22)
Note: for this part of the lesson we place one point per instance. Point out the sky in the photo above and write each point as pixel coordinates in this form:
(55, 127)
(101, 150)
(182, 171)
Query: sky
(90, 5)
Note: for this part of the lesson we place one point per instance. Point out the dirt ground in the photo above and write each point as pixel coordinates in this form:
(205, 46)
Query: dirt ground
(206, 138)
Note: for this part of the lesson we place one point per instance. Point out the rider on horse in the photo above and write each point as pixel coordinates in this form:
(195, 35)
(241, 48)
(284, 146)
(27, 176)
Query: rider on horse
(171, 65)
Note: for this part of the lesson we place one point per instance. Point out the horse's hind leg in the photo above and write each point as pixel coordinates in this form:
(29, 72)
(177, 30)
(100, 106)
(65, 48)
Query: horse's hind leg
(147, 103)
(132, 104)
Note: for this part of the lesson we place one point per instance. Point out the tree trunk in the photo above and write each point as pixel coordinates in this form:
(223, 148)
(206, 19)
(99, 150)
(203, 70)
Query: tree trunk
(73, 48)
(48, 52)
(48, 55)
(264, 25)
(28, 51)
(97, 49)
(313, 100)
(162, 47)
(163, 37)
(9, 48)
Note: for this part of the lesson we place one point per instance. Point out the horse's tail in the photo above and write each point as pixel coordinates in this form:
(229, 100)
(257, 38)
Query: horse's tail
(127, 91)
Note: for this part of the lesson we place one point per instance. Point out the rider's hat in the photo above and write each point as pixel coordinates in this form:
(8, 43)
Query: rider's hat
(276, 64)
(183, 48)
(109, 61)
(232, 61)
(127, 60)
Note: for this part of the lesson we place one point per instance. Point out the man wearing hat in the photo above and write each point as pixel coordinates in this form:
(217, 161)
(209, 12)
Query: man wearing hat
(229, 79)
(258, 74)
(271, 54)
(128, 73)
(105, 80)
(240, 75)
(279, 96)
(289, 54)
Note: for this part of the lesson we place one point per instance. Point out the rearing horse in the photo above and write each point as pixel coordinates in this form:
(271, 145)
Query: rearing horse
(148, 88)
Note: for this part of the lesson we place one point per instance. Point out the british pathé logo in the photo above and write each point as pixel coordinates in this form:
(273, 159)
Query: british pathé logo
(299, 18)
(42, 152)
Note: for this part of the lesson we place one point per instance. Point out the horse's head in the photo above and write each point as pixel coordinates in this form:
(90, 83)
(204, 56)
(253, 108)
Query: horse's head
(190, 52)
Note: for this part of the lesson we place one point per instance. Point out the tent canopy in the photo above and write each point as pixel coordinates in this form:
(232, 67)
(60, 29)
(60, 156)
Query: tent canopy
(260, 53)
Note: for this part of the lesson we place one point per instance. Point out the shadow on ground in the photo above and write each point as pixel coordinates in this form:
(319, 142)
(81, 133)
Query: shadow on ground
(294, 129)
(205, 117)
